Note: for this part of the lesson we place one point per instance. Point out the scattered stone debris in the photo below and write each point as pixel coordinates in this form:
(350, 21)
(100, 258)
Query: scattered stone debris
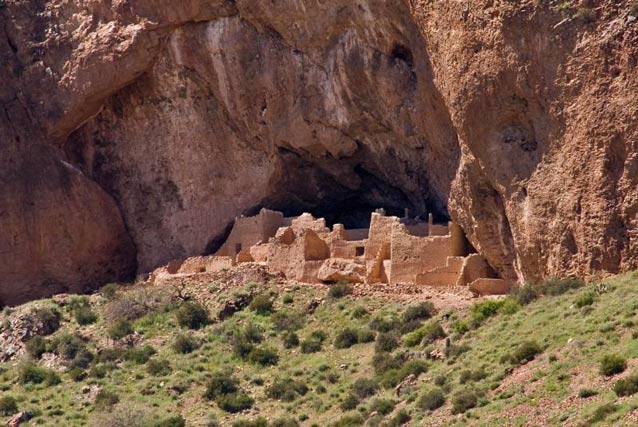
(20, 325)
(18, 419)
(233, 306)
(313, 305)
(90, 392)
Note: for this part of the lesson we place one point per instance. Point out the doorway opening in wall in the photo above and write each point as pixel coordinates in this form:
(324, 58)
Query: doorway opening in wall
(360, 250)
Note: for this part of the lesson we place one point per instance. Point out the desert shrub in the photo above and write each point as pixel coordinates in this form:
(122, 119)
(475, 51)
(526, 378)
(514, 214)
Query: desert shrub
(159, 368)
(77, 374)
(48, 319)
(212, 421)
(77, 302)
(383, 324)
(286, 389)
(220, 384)
(471, 376)
(392, 377)
(431, 400)
(365, 336)
(257, 422)
(460, 327)
(526, 352)
(314, 343)
(364, 387)
(122, 416)
(241, 345)
(414, 367)
(185, 344)
(311, 346)
(120, 329)
(36, 346)
(176, 421)
(350, 402)
(192, 315)
(85, 316)
(602, 412)
(349, 420)
(386, 342)
(556, 286)
(422, 311)
(382, 406)
(139, 355)
(464, 401)
(263, 356)
(426, 334)
(284, 422)
(340, 290)
(360, 312)
(261, 304)
(483, 310)
(525, 294)
(287, 299)
(106, 399)
(290, 340)
(406, 328)
(318, 335)
(585, 299)
(584, 393)
(110, 355)
(109, 291)
(287, 320)
(67, 346)
(224, 389)
(252, 333)
(383, 362)
(401, 418)
(136, 303)
(30, 373)
(627, 386)
(8, 405)
(235, 402)
(346, 338)
(612, 364)
(509, 306)
(82, 359)
(455, 350)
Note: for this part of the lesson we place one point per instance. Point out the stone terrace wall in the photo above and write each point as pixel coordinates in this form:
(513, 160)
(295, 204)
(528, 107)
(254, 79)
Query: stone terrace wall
(413, 255)
(247, 232)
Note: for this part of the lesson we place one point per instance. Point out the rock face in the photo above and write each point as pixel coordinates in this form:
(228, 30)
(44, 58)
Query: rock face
(134, 132)
(544, 101)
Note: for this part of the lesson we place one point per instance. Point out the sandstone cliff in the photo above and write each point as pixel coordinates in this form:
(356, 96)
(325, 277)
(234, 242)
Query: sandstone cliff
(133, 132)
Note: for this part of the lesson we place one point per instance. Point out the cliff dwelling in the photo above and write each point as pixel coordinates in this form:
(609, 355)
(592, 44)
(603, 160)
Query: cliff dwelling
(391, 251)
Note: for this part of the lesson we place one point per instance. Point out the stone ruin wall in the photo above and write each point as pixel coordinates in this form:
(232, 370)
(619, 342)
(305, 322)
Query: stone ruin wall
(392, 251)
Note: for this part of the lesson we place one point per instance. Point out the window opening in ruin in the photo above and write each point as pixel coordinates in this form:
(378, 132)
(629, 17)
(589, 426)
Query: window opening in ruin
(238, 248)
(359, 251)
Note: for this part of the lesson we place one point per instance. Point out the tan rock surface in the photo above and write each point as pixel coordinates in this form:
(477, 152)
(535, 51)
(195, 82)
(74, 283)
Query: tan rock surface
(546, 111)
(134, 132)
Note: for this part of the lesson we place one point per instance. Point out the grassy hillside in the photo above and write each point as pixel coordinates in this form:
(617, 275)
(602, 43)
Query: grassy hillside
(314, 356)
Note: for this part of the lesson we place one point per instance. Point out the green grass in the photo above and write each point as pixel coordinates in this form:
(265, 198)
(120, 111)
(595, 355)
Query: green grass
(363, 349)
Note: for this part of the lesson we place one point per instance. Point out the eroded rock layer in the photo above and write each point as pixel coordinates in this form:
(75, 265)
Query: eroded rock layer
(134, 132)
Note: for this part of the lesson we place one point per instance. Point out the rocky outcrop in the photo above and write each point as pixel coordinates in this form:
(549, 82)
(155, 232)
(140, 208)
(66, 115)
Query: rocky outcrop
(543, 98)
(133, 133)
